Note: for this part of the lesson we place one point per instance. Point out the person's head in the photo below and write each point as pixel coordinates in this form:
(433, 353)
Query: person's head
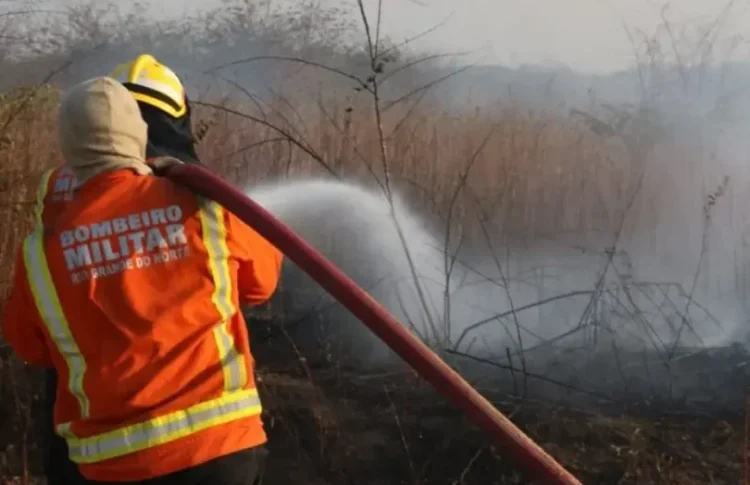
(164, 106)
(101, 129)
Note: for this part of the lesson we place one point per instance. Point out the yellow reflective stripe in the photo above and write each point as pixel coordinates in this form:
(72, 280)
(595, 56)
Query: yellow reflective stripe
(215, 239)
(163, 429)
(41, 193)
(48, 303)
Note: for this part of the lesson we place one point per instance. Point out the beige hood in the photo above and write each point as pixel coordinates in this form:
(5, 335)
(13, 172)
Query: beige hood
(101, 129)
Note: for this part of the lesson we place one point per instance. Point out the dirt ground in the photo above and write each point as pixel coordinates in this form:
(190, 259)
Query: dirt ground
(328, 425)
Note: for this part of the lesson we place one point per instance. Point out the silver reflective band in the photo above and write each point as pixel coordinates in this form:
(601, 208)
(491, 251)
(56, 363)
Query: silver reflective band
(163, 429)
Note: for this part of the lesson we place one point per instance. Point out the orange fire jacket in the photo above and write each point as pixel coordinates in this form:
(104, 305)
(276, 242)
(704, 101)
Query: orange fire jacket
(133, 294)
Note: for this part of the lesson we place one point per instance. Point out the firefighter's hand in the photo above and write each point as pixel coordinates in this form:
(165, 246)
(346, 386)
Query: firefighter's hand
(160, 164)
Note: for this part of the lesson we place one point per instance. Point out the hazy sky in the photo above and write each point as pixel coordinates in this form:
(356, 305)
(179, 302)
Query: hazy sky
(586, 35)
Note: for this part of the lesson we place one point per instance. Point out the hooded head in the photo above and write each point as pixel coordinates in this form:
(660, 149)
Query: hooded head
(101, 129)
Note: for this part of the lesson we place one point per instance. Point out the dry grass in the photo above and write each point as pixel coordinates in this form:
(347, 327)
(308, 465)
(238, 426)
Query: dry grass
(534, 174)
(530, 175)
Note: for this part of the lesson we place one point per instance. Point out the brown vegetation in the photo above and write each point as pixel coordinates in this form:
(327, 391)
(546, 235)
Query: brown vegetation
(527, 174)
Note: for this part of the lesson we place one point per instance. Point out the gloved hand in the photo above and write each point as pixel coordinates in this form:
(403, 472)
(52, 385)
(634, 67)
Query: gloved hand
(159, 164)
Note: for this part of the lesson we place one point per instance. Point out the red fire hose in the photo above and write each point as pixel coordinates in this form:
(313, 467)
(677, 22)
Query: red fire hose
(530, 457)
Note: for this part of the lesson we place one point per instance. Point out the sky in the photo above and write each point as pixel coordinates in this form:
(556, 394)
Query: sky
(585, 35)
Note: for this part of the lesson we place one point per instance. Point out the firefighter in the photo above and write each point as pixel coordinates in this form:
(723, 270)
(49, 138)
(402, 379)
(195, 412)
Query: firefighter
(164, 106)
(132, 295)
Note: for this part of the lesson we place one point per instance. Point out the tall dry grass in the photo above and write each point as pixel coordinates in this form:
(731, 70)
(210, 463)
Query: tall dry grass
(535, 174)
(530, 174)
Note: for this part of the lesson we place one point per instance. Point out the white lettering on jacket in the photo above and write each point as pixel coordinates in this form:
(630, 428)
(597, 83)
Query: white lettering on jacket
(133, 241)
(64, 185)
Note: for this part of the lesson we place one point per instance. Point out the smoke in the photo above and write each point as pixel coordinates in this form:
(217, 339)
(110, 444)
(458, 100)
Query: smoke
(355, 228)
(559, 313)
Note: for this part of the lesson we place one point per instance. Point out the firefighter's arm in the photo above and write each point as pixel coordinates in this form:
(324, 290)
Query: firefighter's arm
(259, 262)
(22, 325)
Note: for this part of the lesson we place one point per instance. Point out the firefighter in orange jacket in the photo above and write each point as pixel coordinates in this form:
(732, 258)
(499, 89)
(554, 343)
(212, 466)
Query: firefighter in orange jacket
(164, 106)
(132, 294)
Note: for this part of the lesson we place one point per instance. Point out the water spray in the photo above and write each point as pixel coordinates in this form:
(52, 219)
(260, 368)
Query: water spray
(533, 459)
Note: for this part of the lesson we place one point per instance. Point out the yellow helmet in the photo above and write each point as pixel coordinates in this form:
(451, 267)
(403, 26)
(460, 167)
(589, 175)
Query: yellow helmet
(153, 83)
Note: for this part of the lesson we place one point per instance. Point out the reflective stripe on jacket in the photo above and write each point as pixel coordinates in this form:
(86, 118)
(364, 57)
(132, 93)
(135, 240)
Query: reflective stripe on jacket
(137, 287)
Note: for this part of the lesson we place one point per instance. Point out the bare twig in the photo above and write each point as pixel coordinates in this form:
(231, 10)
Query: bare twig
(24, 102)
(707, 208)
(390, 104)
(404, 442)
(497, 316)
(462, 478)
(448, 260)
(360, 82)
(376, 69)
(531, 375)
(298, 143)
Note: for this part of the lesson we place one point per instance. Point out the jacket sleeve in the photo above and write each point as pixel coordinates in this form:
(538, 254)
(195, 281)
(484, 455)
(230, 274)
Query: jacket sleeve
(259, 262)
(22, 324)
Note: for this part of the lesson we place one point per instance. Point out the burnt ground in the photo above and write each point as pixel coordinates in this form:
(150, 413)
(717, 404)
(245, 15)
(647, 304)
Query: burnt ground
(393, 430)
(329, 424)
